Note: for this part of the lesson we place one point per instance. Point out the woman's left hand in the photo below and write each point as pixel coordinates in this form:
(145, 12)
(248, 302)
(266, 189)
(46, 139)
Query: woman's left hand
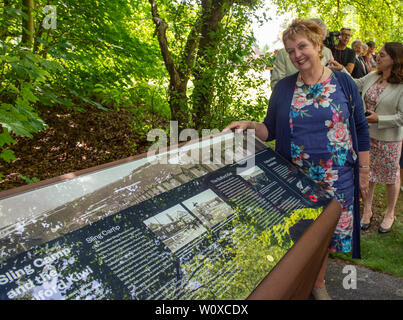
(373, 117)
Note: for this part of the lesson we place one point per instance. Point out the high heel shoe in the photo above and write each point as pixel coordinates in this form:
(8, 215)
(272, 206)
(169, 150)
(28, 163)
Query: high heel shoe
(385, 230)
(365, 226)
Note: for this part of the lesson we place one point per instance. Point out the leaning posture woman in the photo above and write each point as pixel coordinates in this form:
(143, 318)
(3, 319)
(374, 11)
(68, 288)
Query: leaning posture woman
(317, 118)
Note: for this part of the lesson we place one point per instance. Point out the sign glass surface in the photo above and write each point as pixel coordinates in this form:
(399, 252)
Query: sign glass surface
(206, 221)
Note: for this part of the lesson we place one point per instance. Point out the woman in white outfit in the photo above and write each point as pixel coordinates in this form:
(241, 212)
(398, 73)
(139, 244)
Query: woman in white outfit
(382, 92)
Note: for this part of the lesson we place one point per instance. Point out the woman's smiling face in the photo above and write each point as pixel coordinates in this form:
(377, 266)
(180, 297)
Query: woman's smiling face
(302, 52)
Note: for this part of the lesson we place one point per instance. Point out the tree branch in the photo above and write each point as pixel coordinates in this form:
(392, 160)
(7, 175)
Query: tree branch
(189, 52)
(28, 23)
(161, 27)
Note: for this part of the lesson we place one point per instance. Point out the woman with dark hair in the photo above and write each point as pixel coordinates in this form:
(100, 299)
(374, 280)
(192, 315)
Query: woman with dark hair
(317, 118)
(371, 54)
(382, 92)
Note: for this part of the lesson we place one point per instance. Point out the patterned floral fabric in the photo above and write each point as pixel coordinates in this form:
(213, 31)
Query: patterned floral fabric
(385, 155)
(384, 165)
(321, 144)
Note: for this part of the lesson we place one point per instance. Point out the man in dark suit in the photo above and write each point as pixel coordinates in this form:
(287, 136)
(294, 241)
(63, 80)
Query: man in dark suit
(360, 68)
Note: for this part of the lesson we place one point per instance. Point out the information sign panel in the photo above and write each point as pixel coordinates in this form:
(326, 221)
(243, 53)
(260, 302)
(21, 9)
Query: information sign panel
(143, 229)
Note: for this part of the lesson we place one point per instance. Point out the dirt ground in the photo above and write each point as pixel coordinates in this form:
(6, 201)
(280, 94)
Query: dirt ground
(74, 140)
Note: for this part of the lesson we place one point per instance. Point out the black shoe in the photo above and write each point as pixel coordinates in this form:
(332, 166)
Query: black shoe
(365, 226)
(383, 230)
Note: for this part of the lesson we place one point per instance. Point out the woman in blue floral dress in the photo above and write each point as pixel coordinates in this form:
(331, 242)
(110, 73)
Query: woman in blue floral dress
(322, 146)
(309, 116)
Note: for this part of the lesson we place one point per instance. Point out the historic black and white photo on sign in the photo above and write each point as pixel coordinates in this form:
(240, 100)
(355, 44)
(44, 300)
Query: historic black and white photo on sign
(175, 227)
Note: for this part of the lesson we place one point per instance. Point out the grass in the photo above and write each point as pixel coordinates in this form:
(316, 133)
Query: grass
(381, 252)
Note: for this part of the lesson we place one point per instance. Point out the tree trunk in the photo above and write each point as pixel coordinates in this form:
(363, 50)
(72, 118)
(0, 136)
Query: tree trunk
(202, 43)
(178, 103)
(28, 23)
(6, 22)
(179, 76)
(212, 14)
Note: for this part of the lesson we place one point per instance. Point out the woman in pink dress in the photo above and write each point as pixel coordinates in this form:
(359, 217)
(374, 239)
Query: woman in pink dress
(382, 92)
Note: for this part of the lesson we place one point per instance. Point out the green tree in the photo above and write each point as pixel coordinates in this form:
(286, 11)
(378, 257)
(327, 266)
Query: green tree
(380, 21)
(206, 42)
(101, 54)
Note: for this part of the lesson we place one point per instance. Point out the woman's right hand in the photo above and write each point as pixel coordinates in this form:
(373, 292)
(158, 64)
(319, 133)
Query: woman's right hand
(239, 126)
(372, 117)
(259, 128)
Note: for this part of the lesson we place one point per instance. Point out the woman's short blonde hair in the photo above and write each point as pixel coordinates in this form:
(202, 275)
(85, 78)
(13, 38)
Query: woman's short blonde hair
(308, 28)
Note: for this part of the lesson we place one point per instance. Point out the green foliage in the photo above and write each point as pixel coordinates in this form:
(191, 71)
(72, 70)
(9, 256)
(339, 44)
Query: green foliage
(224, 83)
(379, 21)
(240, 90)
(28, 180)
(23, 75)
(7, 155)
(109, 52)
(102, 53)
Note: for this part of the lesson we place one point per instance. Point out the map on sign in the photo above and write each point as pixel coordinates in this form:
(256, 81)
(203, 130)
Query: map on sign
(194, 229)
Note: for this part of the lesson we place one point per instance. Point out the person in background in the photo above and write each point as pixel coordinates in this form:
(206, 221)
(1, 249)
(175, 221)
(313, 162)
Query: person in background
(360, 69)
(382, 92)
(316, 127)
(369, 59)
(365, 58)
(283, 66)
(371, 50)
(343, 55)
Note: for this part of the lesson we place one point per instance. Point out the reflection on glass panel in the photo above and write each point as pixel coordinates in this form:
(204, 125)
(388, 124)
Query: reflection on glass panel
(178, 225)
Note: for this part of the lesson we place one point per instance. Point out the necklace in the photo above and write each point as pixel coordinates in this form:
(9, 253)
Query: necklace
(310, 95)
(381, 80)
(323, 71)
